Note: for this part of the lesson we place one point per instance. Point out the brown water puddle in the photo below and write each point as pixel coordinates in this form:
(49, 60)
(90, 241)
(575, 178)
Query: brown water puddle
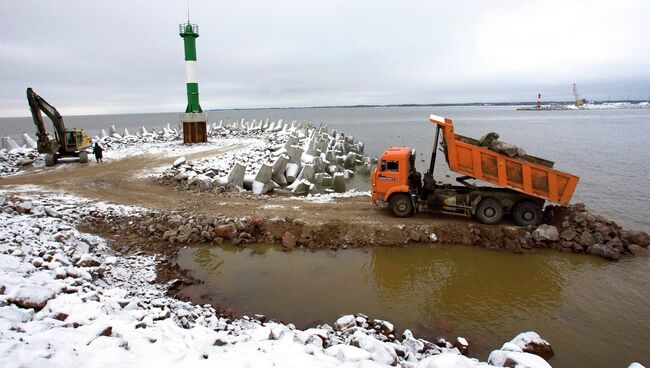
(594, 312)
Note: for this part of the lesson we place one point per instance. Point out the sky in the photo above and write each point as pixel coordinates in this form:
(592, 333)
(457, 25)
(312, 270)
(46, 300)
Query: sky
(99, 57)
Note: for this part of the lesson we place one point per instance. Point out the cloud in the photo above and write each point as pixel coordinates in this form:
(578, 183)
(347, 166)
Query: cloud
(126, 56)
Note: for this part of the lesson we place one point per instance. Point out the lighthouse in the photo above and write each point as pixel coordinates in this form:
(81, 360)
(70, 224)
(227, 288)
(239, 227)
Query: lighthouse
(194, 119)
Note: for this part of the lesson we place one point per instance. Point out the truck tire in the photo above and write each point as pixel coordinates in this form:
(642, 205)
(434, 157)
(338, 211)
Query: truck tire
(50, 160)
(83, 157)
(489, 211)
(526, 213)
(401, 205)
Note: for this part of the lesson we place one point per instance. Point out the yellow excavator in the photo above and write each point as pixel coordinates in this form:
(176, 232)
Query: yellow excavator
(66, 142)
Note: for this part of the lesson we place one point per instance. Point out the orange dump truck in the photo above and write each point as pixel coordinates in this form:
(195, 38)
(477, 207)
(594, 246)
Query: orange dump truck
(523, 183)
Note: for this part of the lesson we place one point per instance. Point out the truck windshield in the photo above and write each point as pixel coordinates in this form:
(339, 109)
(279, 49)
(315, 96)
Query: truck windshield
(392, 166)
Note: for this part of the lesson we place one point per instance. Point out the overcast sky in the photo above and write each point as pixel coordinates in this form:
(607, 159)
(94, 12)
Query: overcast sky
(119, 56)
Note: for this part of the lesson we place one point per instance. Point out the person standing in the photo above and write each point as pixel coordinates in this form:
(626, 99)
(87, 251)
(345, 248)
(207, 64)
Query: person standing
(97, 151)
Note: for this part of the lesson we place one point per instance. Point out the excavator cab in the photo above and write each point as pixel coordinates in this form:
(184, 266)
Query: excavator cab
(66, 142)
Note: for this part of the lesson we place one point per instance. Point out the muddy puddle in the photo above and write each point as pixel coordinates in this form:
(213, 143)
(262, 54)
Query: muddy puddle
(594, 312)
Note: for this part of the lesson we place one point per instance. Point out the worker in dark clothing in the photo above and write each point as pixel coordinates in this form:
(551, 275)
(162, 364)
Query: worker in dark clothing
(97, 151)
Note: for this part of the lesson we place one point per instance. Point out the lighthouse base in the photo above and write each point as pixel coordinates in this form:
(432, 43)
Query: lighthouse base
(194, 127)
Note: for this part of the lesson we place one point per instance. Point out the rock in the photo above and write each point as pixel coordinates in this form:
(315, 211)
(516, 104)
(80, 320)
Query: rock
(414, 345)
(2, 201)
(381, 353)
(110, 260)
(531, 342)
(51, 212)
(638, 250)
(586, 239)
(568, 234)
(504, 358)
(25, 207)
(226, 231)
(462, 345)
(345, 322)
(179, 161)
(32, 296)
(168, 234)
(288, 240)
(632, 237)
(347, 353)
(24, 162)
(87, 261)
(204, 183)
(546, 233)
(605, 251)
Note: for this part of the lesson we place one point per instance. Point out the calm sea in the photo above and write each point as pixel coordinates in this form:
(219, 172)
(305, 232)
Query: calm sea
(607, 149)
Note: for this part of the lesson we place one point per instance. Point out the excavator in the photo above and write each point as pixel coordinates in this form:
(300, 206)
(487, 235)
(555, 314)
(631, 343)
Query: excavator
(66, 142)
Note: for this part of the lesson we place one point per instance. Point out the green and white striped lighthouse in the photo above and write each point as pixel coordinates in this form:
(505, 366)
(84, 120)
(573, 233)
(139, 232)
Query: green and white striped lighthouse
(194, 119)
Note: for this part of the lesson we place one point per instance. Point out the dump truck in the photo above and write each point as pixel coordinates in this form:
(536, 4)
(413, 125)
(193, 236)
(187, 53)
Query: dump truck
(518, 186)
(66, 142)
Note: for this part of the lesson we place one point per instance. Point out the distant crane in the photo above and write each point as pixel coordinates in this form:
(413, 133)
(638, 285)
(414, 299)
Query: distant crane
(579, 101)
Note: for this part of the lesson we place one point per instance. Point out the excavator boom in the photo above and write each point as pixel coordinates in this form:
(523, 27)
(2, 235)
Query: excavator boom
(71, 142)
(37, 104)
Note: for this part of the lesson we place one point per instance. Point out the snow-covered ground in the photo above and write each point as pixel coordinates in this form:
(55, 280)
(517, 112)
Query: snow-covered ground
(67, 299)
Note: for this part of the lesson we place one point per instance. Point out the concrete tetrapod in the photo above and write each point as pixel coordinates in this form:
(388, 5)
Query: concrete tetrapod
(338, 183)
(302, 187)
(263, 183)
(28, 141)
(279, 167)
(236, 175)
(350, 160)
(9, 144)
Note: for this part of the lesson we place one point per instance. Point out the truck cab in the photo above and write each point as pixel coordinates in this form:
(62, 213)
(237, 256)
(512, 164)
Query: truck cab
(390, 181)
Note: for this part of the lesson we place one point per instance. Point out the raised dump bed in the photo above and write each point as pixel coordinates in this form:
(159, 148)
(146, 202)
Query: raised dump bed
(527, 174)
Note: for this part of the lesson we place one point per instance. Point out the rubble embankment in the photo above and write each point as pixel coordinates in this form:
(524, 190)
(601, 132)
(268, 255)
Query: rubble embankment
(568, 229)
(68, 297)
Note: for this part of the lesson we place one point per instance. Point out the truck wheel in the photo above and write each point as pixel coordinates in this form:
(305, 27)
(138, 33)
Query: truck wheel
(489, 211)
(401, 205)
(50, 160)
(83, 157)
(526, 213)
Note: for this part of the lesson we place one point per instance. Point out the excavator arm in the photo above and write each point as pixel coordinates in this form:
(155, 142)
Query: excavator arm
(37, 105)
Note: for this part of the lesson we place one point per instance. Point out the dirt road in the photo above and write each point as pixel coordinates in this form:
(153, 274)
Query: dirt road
(120, 182)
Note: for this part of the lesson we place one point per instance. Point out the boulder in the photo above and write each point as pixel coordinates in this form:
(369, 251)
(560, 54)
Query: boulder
(381, 353)
(345, 322)
(226, 231)
(504, 358)
(586, 239)
(638, 250)
(288, 240)
(546, 232)
(605, 251)
(25, 207)
(531, 342)
(32, 296)
(568, 234)
(203, 182)
(88, 261)
(636, 237)
(179, 161)
(51, 212)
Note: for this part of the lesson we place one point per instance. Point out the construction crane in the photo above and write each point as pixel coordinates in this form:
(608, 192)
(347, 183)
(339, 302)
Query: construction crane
(66, 142)
(579, 101)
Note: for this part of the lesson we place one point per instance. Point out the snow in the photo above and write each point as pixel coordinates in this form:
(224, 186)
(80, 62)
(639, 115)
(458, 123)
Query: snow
(523, 360)
(331, 197)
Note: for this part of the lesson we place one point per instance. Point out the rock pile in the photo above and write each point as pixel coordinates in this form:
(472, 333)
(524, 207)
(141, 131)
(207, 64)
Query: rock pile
(569, 229)
(14, 158)
(298, 159)
(190, 228)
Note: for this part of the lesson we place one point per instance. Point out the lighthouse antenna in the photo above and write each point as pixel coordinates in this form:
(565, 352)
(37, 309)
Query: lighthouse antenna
(188, 11)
